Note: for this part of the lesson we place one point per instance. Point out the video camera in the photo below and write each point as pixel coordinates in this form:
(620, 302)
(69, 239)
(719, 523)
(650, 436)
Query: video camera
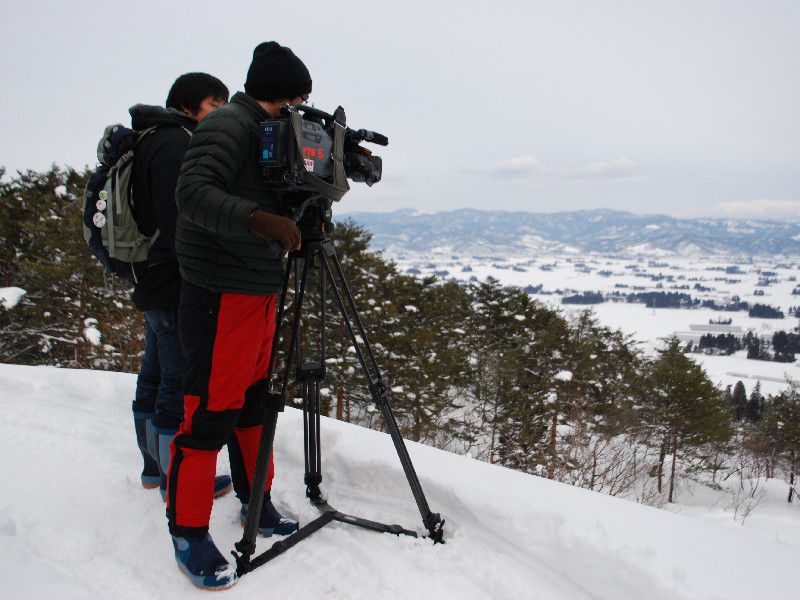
(308, 150)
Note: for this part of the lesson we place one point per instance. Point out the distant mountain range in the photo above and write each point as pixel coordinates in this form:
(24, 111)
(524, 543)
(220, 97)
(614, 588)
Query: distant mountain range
(477, 233)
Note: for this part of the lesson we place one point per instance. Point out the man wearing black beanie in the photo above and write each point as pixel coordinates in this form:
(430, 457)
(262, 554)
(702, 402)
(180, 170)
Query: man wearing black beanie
(276, 73)
(230, 241)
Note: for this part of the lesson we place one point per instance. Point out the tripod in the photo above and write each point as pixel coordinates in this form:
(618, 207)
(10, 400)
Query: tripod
(317, 251)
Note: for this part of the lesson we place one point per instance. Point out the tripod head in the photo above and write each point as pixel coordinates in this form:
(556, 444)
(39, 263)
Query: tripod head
(312, 213)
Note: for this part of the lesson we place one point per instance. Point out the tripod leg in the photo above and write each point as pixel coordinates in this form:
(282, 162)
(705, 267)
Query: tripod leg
(311, 375)
(293, 339)
(247, 545)
(311, 436)
(379, 389)
(273, 404)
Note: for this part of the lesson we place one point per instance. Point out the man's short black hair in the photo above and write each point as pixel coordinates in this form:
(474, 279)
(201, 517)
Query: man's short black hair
(190, 89)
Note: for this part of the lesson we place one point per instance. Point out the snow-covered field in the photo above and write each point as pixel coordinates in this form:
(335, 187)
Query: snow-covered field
(755, 281)
(75, 522)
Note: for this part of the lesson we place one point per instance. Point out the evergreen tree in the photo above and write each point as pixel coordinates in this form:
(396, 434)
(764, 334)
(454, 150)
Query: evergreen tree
(752, 411)
(684, 409)
(739, 400)
(429, 357)
(415, 329)
(727, 394)
(782, 426)
(72, 315)
(596, 398)
(346, 395)
(514, 343)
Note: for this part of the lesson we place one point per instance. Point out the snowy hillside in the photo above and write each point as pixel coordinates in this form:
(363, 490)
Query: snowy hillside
(75, 523)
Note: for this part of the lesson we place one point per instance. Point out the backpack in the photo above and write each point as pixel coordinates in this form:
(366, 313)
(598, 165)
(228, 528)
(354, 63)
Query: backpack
(108, 223)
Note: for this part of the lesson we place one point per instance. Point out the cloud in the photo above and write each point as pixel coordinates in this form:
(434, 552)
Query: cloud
(620, 169)
(761, 208)
(528, 167)
(518, 167)
(522, 163)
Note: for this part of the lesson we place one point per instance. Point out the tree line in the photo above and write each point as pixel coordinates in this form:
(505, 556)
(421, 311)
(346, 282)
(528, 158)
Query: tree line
(781, 347)
(661, 299)
(476, 368)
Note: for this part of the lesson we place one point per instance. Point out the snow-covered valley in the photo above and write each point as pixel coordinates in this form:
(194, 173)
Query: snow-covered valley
(550, 278)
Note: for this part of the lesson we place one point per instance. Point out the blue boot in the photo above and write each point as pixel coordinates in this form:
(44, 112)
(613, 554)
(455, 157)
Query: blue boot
(271, 521)
(222, 483)
(202, 563)
(151, 475)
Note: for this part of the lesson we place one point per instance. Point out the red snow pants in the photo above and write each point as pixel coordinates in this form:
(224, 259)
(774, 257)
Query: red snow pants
(226, 340)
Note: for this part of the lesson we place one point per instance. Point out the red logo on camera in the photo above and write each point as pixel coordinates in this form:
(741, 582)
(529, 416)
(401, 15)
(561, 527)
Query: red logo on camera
(312, 152)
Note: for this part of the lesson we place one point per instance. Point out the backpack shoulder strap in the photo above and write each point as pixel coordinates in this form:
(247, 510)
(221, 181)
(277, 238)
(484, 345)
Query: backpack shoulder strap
(143, 134)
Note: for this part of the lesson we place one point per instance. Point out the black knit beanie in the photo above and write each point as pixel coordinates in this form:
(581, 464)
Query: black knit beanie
(276, 73)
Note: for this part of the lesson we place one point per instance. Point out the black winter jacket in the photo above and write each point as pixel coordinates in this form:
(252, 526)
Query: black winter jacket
(220, 185)
(156, 164)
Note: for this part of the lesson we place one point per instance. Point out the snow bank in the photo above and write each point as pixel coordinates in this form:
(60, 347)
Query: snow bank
(75, 522)
(10, 296)
(91, 332)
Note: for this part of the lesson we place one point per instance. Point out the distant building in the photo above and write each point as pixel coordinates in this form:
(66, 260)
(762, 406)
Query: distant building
(697, 331)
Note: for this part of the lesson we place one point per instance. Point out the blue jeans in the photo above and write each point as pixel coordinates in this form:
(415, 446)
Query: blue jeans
(158, 388)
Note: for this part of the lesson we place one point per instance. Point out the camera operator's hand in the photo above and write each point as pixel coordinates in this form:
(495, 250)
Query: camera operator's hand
(277, 228)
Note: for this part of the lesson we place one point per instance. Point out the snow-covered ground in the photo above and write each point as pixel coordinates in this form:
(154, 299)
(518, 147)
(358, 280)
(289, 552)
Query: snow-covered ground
(758, 281)
(650, 325)
(75, 522)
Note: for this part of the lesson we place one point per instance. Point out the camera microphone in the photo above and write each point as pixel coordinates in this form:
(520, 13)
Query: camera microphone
(365, 135)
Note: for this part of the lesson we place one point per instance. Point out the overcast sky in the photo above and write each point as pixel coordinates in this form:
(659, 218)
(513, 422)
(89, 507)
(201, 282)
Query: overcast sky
(684, 108)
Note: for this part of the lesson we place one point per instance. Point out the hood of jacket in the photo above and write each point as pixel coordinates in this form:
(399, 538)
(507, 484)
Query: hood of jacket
(144, 116)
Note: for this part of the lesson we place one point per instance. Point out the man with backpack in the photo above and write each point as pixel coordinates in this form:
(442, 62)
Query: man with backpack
(230, 241)
(162, 137)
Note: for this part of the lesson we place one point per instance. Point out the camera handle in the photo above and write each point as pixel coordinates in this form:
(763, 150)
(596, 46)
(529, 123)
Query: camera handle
(295, 214)
(321, 115)
(338, 116)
